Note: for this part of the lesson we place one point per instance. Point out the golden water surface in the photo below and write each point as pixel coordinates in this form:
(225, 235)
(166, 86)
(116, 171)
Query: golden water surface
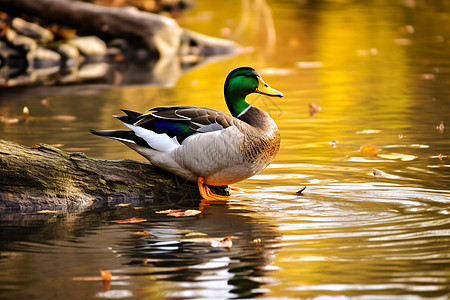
(380, 73)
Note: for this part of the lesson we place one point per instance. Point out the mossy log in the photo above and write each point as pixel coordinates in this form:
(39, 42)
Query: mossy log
(44, 177)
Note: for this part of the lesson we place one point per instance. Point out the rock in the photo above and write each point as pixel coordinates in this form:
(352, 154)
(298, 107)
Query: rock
(27, 43)
(44, 58)
(90, 46)
(32, 30)
(70, 55)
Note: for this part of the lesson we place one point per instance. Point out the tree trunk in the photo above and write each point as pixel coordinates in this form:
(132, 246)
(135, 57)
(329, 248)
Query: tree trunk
(155, 32)
(44, 177)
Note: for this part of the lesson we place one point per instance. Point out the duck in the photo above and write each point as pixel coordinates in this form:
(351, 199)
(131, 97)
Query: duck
(204, 145)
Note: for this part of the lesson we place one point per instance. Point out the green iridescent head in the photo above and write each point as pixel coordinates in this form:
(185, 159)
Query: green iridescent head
(242, 82)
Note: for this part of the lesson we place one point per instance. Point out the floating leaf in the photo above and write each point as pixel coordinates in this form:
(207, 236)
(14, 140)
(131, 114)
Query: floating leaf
(45, 101)
(369, 150)
(130, 221)
(106, 276)
(378, 173)
(48, 211)
(123, 204)
(256, 241)
(441, 127)
(314, 109)
(180, 212)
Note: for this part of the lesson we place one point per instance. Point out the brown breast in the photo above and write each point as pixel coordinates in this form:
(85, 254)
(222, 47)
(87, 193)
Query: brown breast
(262, 138)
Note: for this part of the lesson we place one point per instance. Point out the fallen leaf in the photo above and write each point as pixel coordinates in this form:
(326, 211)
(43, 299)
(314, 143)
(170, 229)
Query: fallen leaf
(314, 109)
(214, 242)
(180, 212)
(138, 207)
(123, 204)
(441, 127)
(378, 173)
(45, 101)
(130, 221)
(256, 241)
(48, 211)
(300, 192)
(106, 276)
(369, 150)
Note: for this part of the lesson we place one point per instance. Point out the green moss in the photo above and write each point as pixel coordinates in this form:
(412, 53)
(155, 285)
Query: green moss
(118, 186)
(61, 168)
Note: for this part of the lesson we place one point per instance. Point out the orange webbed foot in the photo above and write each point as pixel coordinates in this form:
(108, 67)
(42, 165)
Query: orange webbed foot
(206, 193)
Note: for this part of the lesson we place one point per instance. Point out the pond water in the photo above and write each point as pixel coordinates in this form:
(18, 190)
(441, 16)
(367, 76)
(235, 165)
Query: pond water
(379, 70)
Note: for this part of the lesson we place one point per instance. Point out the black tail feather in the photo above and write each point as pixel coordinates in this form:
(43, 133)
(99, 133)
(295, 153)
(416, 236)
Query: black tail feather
(130, 118)
(121, 135)
(132, 114)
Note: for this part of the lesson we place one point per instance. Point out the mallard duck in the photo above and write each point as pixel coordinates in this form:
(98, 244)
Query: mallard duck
(204, 145)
